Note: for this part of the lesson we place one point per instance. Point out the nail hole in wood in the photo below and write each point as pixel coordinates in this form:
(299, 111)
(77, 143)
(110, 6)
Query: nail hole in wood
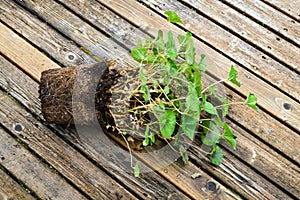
(2, 158)
(211, 186)
(278, 39)
(269, 47)
(71, 57)
(287, 106)
(263, 57)
(285, 29)
(18, 127)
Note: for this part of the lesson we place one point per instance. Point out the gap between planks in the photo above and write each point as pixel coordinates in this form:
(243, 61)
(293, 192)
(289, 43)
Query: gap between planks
(268, 129)
(270, 99)
(240, 49)
(31, 171)
(270, 17)
(193, 192)
(289, 8)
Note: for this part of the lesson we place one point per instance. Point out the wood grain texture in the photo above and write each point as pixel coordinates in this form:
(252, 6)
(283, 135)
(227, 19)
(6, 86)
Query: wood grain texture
(235, 173)
(245, 181)
(290, 7)
(240, 50)
(48, 145)
(244, 114)
(175, 169)
(10, 189)
(11, 45)
(186, 175)
(44, 37)
(140, 185)
(266, 161)
(59, 154)
(264, 129)
(269, 99)
(70, 163)
(97, 13)
(32, 172)
(265, 14)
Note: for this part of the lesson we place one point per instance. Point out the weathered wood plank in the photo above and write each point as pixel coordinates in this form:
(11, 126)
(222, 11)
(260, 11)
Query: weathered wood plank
(12, 48)
(237, 49)
(91, 181)
(266, 161)
(47, 39)
(265, 14)
(264, 130)
(292, 8)
(269, 99)
(247, 182)
(177, 169)
(250, 31)
(244, 27)
(98, 12)
(141, 186)
(10, 81)
(267, 95)
(59, 154)
(10, 189)
(36, 175)
(156, 190)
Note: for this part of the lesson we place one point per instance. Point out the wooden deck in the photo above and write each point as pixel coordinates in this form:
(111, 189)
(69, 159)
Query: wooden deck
(46, 161)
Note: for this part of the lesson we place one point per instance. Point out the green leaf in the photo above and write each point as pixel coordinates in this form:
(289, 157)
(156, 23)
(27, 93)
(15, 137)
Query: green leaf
(146, 140)
(143, 75)
(152, 138)
(167, 122)
(203, 99)
(187, 49)
(228, 135)
(190, 118)
(146, 92)
(181, 39)
(226, 102)
(209, 108)
(166, 89)
(198, 83)
(212, 136)
(171, 46)
(218, 121)
(192, 102)
(148, 43)
(183, 154)
(225, 108)
(150, 59)
(173, 16)
(233, 73)
(159, 43)
(190, 54)
(216, 156)
(202, 63)
(171, 65)
(206, 125)
(137, 169)
(138, 53)
(188, 125)
(251, 101)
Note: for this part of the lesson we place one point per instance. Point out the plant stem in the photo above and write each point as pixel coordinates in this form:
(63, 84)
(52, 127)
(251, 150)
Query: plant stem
(215, 83)
(229, 104)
